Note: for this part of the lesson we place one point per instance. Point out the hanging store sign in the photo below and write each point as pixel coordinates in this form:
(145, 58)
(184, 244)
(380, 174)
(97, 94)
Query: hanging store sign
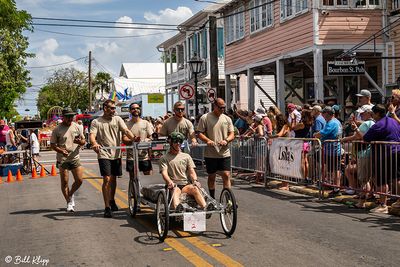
(155, 98)
(345, 68)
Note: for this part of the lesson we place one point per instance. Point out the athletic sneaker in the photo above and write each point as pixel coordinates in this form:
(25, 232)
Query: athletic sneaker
(396, 205)
(381, 208)
(179, 208)
(70, 207)
(72, 200)
(349, 192)
(107, 213)
(113, 206)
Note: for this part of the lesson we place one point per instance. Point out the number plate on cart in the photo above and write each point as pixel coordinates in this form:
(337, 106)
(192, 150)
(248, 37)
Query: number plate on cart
(194, 221)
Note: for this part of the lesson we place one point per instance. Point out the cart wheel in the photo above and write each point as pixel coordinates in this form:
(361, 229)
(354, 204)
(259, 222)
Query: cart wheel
(132, 198)
(162, 214)
(229, 214)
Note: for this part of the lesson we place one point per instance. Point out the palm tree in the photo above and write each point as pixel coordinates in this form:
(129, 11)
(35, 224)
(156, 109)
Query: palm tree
(101, 83)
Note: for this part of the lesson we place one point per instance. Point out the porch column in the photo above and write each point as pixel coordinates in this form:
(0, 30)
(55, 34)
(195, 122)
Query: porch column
(166, 99)
(318, 74)
(250, 88)
(228, 92)
(170, 62)
(280, 85)
(177, 57)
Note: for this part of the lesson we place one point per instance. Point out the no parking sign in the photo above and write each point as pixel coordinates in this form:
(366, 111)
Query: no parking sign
(186, 92)
(211, 95)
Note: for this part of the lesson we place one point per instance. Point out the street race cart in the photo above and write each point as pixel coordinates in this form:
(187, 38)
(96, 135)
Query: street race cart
(159, 198)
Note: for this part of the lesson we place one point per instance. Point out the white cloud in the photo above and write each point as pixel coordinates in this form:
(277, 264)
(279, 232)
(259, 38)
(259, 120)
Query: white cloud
(169, 16)
(141, 49)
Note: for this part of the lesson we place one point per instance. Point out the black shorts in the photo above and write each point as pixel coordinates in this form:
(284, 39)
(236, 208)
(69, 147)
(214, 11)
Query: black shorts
(110, 167)
(217, 164)
(144, 165)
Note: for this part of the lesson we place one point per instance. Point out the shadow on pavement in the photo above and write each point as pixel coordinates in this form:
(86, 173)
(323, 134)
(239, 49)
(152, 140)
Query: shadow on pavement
(309, 203)
(39, 211)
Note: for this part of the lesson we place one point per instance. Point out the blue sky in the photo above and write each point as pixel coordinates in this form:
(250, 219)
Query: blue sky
(52, 48)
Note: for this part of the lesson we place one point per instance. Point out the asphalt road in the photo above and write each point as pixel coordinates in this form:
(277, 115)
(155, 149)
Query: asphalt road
(275, 228)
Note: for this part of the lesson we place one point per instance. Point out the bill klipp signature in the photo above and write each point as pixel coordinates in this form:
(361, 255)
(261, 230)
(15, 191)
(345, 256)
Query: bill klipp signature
(33, 260)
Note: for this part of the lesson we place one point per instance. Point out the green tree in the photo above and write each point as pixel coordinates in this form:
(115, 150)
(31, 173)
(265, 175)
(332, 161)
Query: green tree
(14, 78)
(100, 83)
(65, 87)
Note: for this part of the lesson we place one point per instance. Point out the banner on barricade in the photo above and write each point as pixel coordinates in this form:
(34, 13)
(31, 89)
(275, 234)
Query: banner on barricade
(285, 157)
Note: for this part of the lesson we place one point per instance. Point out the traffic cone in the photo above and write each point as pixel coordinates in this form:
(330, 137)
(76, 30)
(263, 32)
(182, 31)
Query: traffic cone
(42, 172)
(34, 173)
(53, 170)
(10, 178)
(19, 176)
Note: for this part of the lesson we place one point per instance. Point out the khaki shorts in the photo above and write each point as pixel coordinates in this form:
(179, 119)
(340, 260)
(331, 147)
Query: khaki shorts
(69, 165)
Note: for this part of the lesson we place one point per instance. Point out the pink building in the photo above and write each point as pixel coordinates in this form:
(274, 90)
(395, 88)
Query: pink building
(294, 40)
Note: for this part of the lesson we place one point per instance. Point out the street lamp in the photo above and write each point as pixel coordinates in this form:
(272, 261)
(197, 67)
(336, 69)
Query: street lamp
(195, 65)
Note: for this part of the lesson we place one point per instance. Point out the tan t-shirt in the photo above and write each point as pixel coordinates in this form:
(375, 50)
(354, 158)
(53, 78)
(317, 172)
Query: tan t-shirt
(143, 129)
(177, 166)
(183, 126)
(108, 133)
(63, 136)
(216, 129)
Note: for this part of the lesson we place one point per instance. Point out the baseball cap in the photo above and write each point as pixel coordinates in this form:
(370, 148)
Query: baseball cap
(327, 109)
(291, 106)
(258, 118)
(336, 108)
(317, 108)
(260, 111)
(68, 112)
(177, 136)
(2, 122)
(364, 92)
(364, 108)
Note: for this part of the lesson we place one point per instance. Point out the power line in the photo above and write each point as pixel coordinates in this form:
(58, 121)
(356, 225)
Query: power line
(107, 22)
(103, 37)
(103, 26)
(54, 65)
(371, 38)
(104, 68)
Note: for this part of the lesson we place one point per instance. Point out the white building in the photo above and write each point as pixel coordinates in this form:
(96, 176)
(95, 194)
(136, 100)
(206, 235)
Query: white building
(141, 78)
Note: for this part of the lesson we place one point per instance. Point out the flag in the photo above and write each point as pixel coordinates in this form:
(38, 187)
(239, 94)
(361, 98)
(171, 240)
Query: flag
(113, 96)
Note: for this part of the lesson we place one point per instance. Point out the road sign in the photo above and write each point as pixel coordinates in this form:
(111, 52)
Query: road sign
(345, 68)
(211, 94)
(186, 92)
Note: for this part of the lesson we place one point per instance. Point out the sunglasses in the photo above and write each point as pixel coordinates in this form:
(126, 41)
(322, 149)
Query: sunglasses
(135, 108)
(176, 141)
(112, 108)
(180, 109)
(69, 116)
(221, 107)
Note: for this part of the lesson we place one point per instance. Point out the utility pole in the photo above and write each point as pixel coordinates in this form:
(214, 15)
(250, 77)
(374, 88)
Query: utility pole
(214, 83)
(90, 81)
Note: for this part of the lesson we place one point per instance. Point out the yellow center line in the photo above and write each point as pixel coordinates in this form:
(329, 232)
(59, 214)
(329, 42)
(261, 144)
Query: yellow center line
(208, 249)
(188, 254)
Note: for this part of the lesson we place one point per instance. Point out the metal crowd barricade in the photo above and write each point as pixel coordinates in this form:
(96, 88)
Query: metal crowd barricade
(295, 160)
(363, 167)
(197, 152)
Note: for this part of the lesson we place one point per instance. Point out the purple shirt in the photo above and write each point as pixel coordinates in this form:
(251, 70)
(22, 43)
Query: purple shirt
(386, 129)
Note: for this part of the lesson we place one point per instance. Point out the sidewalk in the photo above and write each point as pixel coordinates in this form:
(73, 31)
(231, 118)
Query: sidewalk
(347, 200)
